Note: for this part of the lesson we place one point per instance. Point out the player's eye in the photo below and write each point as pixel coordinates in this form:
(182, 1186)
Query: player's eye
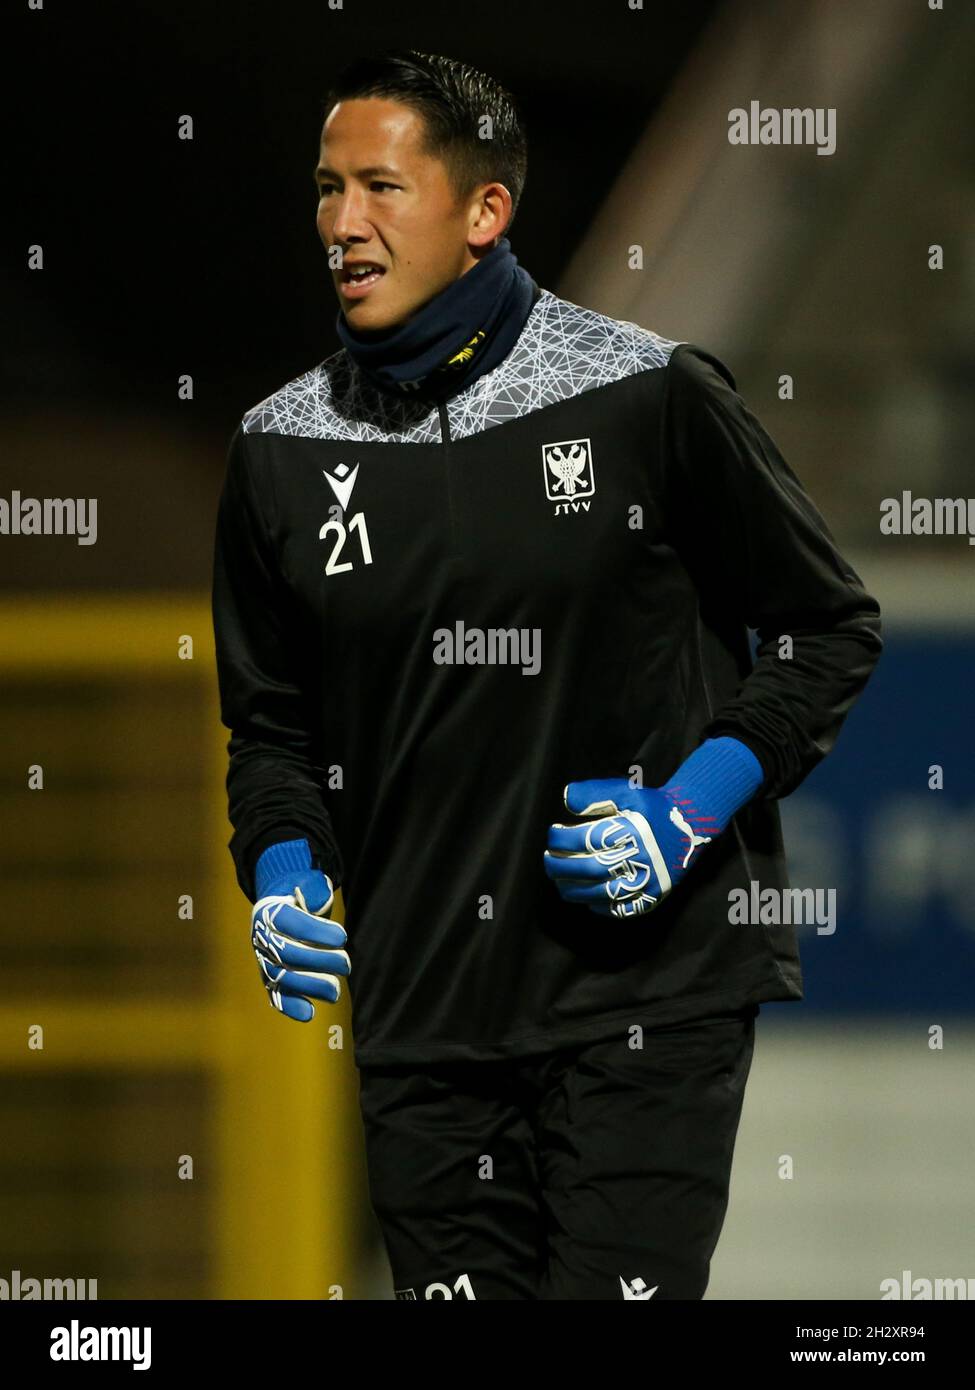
(324, 188)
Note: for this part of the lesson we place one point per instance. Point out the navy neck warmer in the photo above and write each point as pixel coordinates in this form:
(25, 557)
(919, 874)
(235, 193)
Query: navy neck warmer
(463, 332)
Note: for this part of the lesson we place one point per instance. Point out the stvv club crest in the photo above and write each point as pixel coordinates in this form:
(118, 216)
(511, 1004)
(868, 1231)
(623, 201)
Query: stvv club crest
(568, 473)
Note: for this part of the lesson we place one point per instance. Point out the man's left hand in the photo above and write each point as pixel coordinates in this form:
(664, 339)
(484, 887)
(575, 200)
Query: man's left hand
(634, 846)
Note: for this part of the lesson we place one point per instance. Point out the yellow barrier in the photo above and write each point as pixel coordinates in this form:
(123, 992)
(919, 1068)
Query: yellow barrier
(286, 1210)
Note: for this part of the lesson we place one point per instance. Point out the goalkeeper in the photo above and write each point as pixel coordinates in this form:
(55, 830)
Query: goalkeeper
(553, 1011)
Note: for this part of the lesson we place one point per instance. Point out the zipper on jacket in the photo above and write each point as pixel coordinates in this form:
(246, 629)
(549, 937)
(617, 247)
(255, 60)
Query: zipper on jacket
(445, 441)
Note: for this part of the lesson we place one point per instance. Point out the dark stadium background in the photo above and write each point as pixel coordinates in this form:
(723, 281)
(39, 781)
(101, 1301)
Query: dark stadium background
(165, 257)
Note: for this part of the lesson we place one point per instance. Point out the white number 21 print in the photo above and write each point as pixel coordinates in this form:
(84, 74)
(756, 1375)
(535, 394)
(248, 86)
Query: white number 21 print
(358, 523)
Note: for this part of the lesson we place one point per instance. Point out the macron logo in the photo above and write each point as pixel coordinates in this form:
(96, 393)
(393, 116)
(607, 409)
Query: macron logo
(637, 1288)
(342, 481)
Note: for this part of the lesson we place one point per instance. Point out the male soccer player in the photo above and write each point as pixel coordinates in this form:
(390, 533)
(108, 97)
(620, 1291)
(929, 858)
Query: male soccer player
(482, 590)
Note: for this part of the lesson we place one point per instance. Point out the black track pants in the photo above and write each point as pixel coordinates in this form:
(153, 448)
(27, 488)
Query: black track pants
(598, 1171)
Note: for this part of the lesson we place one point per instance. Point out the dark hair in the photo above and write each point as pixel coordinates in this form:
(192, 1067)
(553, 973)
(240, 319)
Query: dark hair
(451, 98)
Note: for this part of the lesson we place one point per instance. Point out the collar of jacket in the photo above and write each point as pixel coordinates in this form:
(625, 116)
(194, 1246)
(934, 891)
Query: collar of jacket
(463, 332)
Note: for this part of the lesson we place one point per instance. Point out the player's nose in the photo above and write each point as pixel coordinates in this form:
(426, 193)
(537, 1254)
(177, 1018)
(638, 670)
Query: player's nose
(348, 216)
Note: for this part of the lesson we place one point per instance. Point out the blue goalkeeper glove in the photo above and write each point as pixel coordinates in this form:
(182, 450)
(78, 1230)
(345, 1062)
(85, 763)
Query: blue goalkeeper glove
(637, 843)
(290, 926)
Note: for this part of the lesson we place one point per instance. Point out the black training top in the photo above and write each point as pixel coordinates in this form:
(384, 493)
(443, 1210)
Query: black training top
(430, 618)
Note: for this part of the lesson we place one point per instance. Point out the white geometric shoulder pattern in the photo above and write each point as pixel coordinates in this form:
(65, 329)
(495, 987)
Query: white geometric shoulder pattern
(563, 350)
(335, 401)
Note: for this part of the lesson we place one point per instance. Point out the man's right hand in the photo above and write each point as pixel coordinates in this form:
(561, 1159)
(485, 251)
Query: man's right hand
(289, 928)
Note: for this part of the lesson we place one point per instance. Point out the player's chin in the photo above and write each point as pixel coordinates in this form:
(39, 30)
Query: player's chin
(381, 308)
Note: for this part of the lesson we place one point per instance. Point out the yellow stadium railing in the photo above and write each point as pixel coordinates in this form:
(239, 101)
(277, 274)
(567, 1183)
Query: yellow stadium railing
(285, 1211)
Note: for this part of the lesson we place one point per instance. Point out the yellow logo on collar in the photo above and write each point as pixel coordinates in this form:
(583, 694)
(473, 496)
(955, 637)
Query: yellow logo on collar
(462, 357)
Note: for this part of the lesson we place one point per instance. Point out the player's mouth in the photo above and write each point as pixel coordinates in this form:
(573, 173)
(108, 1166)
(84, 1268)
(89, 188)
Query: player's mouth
(357, 278)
